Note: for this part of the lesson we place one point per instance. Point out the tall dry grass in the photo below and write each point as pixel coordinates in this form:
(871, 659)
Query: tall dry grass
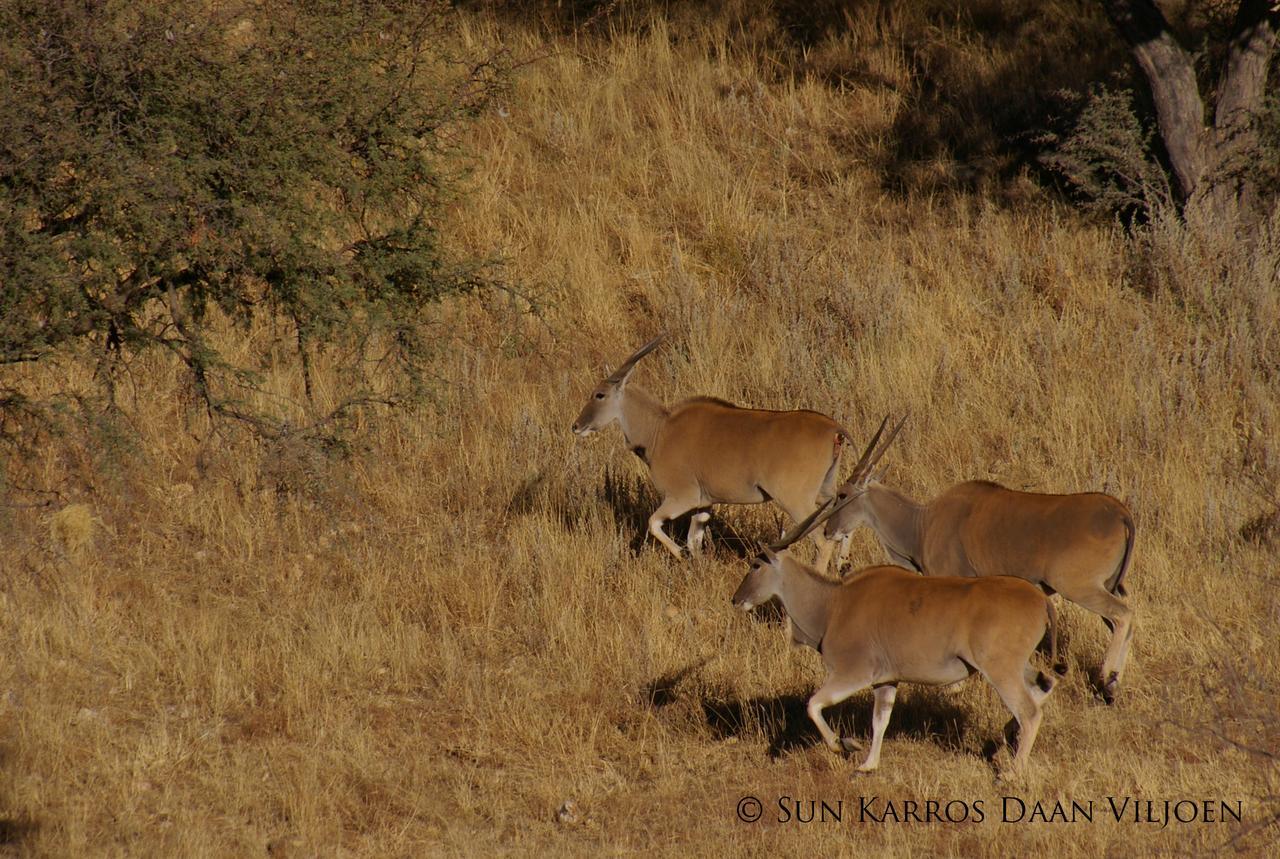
(430, 647)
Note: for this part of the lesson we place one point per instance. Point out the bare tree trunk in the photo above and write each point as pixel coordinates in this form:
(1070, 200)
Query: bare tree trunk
(1241, 91)
(1210, 159)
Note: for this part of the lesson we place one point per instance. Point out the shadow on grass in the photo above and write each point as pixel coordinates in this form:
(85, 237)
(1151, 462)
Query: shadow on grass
(982, 87)
(723, 538)
(661, 692)
(632, 501)
(988, 84)
(14, 832)
(785, 719)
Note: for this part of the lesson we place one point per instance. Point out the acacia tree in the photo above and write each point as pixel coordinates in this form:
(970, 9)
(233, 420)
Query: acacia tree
(160, 159)
(1210, 136)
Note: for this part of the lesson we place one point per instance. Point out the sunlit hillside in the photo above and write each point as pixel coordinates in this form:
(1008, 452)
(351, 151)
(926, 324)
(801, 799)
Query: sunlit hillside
(457, 640)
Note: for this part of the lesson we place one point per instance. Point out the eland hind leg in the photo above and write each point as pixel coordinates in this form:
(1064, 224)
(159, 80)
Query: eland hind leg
(1023, 700)
(697, 531)
(827, 491)
(1119, 617)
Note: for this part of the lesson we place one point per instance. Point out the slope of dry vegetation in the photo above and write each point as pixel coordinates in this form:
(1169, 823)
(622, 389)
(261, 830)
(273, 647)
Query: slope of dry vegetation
(431, 645)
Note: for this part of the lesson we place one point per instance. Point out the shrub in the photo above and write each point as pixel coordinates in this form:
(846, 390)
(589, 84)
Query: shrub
(168, 166)
(1107, 158)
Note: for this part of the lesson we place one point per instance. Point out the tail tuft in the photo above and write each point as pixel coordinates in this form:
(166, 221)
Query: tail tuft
(1117, 588)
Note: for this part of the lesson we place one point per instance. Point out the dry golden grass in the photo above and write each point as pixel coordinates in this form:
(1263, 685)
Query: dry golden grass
(429, 648)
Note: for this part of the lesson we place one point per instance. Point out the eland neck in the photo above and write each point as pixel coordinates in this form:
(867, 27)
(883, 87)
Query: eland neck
(807, 598)
(899, 524)
(642, 417)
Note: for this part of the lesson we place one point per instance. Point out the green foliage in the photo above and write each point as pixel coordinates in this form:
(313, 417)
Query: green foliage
(1107, 157)
(160, 160)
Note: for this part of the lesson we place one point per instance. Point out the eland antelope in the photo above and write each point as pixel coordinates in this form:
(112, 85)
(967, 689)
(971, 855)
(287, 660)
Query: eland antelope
(885, 625)
(1079, 545)
(703, 451)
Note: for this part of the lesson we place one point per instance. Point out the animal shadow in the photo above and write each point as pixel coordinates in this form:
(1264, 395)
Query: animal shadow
(632, 501)
(661, 692)
(537, 494)
(14, 832)
(723, 537)
(785, 718)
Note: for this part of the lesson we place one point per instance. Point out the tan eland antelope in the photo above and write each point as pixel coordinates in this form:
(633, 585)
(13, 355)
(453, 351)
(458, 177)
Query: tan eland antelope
(704, 451)
(1078, 545)
(886, 625)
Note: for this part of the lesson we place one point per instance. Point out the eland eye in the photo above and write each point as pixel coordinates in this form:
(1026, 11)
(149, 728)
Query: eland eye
(599, 396)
